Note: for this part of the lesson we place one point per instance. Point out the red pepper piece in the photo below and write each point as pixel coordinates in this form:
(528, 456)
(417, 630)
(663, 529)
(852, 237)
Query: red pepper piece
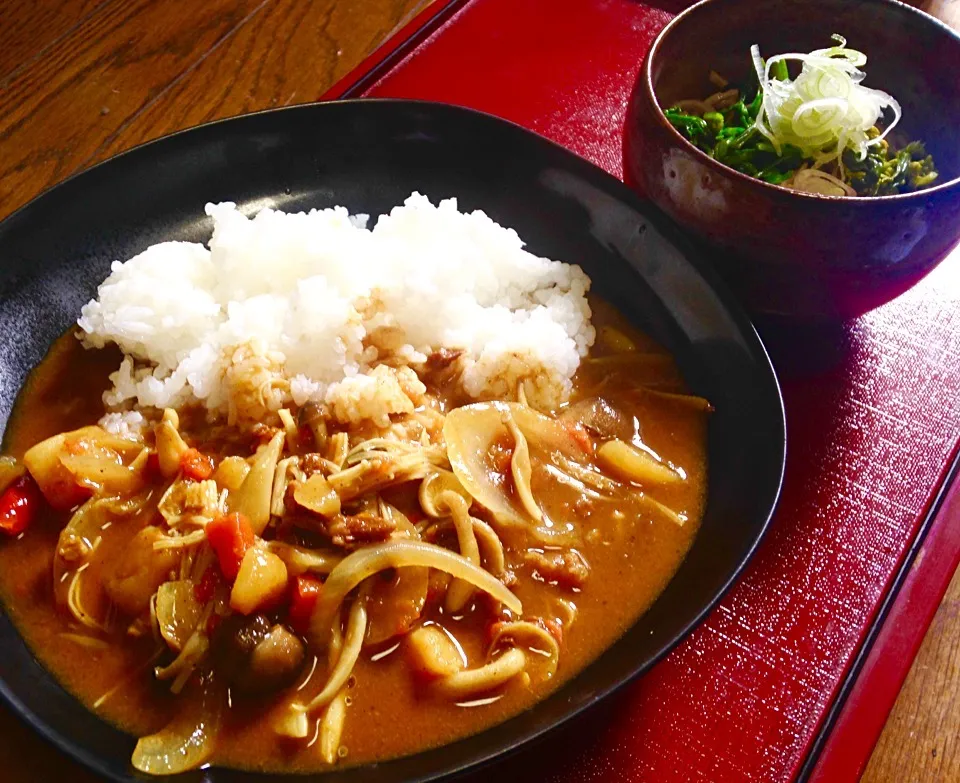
(18, 505)
(230, 536)
(303, 599)
(196, 465)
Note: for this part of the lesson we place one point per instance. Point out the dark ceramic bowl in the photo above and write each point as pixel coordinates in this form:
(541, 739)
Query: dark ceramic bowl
(368, 156)
(789, 254)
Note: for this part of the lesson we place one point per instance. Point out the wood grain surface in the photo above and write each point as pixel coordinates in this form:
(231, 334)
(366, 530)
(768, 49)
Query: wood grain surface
(28, 28)
(81, 80)
(126, 71)
(921, 741)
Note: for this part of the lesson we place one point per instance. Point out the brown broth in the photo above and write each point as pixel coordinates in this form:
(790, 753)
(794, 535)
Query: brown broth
(631, 561)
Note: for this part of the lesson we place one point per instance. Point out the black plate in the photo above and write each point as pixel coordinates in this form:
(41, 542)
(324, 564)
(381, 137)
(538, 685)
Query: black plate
(368, 156)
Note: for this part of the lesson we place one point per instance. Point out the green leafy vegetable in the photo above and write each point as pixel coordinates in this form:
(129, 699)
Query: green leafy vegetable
(884, 173)
(813, 122)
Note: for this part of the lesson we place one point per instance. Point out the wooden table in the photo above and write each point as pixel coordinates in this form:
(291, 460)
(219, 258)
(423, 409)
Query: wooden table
(81, 80)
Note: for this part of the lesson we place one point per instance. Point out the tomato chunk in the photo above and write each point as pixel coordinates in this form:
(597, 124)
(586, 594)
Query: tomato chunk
(18, 505)
(196, 465)
(230, 536)
(303, 599)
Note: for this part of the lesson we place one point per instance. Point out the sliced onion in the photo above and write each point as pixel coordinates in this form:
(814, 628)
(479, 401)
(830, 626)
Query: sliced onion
(817, 117)
(397, 554)
(301, 560)
(188, 740)
(826, 109)
(178, 612)
(854, 57)
(817, 181)
(470, 432)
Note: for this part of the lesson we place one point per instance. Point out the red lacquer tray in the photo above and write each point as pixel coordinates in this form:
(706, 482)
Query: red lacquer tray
(792, 676)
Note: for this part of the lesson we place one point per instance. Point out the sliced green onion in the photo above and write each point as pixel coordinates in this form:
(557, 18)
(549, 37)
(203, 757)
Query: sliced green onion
(826, 109)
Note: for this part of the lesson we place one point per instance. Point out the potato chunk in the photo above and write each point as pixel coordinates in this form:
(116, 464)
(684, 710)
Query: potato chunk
(231, 472)
(432, 653)
(316, 495)
(261, 582)
(59, 485)
(70, 466)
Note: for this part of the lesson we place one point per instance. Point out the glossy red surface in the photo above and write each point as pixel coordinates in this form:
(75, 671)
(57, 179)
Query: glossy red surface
(873, 419)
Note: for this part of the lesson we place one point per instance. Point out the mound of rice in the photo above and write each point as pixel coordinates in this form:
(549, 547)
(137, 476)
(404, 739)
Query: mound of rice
(297, 307)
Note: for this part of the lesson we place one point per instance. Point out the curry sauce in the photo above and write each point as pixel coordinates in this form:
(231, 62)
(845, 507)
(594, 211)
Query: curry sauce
(627, 551)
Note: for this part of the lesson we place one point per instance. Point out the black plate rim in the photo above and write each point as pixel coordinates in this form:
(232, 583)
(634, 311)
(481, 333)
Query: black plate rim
(676, 236)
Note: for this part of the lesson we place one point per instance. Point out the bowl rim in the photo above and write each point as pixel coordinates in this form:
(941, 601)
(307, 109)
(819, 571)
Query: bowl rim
(646, 77)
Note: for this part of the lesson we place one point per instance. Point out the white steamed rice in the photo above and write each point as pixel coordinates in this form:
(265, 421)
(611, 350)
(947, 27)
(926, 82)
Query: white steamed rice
(316, 298)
